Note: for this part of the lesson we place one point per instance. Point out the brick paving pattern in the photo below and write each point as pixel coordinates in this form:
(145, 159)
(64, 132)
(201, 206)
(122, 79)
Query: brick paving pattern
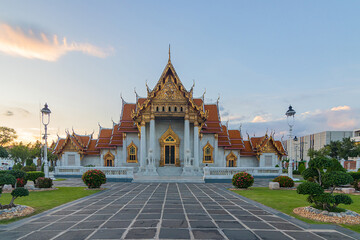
(163, 211)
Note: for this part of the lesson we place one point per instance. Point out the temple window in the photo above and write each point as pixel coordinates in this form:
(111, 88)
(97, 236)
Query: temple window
(132, 153)
(208, 153)
(231, 160)
(157, 109)
(163, 109)
(109, 159)
(181, 109)
(169, 109)
(175, 109)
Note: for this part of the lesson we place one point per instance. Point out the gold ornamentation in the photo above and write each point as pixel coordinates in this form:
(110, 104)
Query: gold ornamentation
(208, 153)
(109, 159)
(169, 138)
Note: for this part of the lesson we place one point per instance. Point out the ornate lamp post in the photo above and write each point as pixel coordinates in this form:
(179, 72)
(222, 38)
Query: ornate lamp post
(290, 115)
(296, 152)
(45, 118)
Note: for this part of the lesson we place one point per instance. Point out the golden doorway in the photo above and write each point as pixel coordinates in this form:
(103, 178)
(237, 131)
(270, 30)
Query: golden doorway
(169, 144)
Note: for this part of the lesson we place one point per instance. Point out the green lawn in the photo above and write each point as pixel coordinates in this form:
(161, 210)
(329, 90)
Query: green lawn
(42, 201)
(286, 200)
(60, 179)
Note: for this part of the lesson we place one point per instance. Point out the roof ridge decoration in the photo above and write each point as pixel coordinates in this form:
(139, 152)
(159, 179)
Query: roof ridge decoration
(168, 74)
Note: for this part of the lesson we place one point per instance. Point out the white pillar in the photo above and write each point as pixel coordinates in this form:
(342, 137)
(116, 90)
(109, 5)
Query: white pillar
(357, 164)
(196, 145)
(143, 146)
(342, 162)
(216, 154)
(186, 137)
(290, 168)
(124, 149)
(152, 134)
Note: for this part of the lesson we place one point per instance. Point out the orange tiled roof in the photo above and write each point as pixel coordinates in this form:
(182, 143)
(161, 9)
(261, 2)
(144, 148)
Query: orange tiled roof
(198, 101)
(91, 150)
(212, 124)
(126, 122)
(236, 140)
(248, 150)
(103, 140)
(116, 136)
(223, 138)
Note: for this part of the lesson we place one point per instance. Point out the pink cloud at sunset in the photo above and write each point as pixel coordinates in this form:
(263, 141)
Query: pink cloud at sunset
(16, 42)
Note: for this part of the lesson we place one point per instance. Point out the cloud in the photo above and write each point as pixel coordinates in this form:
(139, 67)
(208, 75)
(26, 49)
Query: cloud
(258, 119)
(9, 113)
(16, 42)
(341, 108)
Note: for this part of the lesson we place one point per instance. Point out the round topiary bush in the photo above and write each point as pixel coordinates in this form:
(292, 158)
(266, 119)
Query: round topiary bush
(242, 180)
(284, 181)
(94, 178)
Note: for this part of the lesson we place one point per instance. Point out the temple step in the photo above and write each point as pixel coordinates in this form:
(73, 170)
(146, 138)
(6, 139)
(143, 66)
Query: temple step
(168, 179)
(169, 171)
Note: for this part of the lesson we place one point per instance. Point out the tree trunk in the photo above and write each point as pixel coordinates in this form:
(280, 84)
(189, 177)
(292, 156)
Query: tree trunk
(319, 176)
(11, 204)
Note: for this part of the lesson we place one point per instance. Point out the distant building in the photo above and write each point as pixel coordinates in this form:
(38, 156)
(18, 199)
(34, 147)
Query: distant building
(5, 163)
(356, 136)
(315, 141)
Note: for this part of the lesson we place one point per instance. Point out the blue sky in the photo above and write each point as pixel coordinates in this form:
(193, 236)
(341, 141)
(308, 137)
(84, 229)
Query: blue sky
(260, 56)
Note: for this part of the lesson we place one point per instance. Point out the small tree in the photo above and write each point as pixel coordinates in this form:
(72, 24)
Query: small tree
(18, 192)
(335, 179)
(7, 135)
(20, 153)
(6, 178)
(3, 152)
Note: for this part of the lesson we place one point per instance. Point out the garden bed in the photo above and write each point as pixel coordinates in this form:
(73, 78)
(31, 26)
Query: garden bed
(17, 211)
(347, 217)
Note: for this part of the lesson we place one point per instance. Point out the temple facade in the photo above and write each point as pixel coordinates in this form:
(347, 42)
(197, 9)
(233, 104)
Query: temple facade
(168, 128)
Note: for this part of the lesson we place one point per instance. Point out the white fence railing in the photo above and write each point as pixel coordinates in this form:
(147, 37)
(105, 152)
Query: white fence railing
(228, 172)
(110, 172)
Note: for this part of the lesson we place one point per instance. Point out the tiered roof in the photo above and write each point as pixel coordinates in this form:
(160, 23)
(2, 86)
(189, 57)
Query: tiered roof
(110, 138)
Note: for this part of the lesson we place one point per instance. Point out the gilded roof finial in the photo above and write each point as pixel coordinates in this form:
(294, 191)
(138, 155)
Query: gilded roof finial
(169, 54)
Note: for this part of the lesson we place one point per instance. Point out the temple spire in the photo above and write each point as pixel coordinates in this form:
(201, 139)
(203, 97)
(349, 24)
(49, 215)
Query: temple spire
(169, 54)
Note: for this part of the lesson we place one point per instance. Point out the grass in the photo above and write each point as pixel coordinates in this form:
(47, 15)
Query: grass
(42, 201)
(286, 200)
(59, 179)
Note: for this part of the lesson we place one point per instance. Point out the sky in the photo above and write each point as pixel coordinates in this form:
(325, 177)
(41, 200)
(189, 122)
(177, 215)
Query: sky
(258, 56)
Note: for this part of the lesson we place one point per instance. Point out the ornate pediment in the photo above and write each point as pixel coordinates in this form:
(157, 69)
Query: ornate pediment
(169, 92)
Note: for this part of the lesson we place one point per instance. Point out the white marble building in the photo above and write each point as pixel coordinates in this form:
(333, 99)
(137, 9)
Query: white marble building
(168, 128)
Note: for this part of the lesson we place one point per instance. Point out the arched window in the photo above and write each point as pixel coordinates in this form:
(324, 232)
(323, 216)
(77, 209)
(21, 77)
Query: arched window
(181, 109)
(231, 160)
(163, 109)
(157, 109)
(169, 109)
(208, 153)
(109, 159)
(175, 109)
(132, 153)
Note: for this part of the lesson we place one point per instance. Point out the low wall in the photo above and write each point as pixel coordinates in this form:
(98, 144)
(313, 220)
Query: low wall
(225, 174)
(113, 174)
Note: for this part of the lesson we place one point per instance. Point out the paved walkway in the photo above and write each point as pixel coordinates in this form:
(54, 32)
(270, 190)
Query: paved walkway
(166, 211)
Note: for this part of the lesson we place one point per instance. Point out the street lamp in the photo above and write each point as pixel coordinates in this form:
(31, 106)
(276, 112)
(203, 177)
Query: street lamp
(45, 118)
(296, 151)
(290, 115)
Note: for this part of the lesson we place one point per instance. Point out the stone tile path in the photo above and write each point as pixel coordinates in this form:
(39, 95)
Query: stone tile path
(164, 211)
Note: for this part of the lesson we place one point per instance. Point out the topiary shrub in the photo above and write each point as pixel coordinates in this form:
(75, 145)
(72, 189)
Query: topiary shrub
(301, 167)
(242, 180)
(43, 182)
(310, 173)
(20, 182)
(94, 178)
(355, 175)
(284, 181)
(30, 168)
(18, 173)
(6, 179)
(335, 179)
(18, 192)
(32, 176)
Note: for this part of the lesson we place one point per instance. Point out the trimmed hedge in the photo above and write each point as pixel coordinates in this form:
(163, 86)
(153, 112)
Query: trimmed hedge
(32, 176)
(242, 180)
(284, 181)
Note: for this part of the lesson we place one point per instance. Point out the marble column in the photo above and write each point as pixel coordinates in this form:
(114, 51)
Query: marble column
(152, 134)
(143, 146)
(196, 144)
(217, 160)
(186, 136)
(124, 151)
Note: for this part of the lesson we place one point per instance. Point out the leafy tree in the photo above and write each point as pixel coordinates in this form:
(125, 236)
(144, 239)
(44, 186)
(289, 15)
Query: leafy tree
(7, 135)
(3, 152)
(20, 153)
(343, 149)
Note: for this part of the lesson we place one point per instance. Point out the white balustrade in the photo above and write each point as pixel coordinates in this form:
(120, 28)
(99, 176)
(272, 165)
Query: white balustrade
(228, 172)
(110, 172)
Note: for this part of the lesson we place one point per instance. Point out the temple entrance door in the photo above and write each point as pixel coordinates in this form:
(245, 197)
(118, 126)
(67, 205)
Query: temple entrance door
(170, 154)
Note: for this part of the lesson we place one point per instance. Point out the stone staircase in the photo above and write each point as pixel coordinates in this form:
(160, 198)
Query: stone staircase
(168, 174)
